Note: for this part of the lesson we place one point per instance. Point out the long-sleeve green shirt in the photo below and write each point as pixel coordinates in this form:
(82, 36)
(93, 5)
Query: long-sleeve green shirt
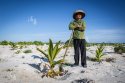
(78, 32)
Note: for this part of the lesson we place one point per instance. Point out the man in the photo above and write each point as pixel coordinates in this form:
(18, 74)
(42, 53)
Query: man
(78, 27)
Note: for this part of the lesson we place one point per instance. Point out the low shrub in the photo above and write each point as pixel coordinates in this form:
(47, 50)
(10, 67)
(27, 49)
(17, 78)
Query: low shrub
(119, 49)
(27, 51)
(4, 42)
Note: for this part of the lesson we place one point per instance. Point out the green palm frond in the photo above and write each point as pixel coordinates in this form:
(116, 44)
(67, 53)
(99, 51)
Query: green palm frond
(56, 50)
(50, 49)
(57, 62)
(46, 55)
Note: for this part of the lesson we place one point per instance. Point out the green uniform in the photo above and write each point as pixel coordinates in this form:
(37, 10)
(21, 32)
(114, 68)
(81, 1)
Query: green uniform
(78, 32)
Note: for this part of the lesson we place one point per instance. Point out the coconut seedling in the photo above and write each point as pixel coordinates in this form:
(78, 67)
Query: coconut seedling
(51, 55)
(99, 53)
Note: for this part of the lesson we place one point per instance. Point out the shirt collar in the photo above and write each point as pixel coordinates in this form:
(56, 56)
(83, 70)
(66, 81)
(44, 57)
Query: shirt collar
(78, 20)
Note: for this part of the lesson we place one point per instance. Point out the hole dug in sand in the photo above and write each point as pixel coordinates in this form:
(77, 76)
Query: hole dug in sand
(86, 80)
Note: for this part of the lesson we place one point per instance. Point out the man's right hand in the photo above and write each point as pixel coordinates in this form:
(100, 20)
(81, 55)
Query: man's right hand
(77, 28)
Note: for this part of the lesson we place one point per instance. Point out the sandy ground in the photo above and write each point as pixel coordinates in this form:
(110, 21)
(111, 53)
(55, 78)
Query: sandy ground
(24, 68)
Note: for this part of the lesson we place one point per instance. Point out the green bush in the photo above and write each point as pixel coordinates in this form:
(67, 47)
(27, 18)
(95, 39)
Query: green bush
(4, 42)
(30, 43)
(38, 43)
(24, 43)
(119, 49)
(21, 43)
(27, 51)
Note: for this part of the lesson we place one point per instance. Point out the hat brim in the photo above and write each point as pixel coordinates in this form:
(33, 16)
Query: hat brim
(83, 14)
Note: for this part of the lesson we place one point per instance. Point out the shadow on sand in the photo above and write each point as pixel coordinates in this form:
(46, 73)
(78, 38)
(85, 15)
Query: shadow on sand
(36, 66)
(41, 58)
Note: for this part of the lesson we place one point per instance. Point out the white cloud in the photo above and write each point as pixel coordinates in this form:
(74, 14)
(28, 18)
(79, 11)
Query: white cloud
(32, 20)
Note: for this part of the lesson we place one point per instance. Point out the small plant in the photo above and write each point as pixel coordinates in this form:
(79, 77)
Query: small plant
(9, 70)
(110, 59)
(119, 49)
(21, 47)
(13, 45)
(99, 52)
(52, 54)
(18, 51)
(27, 51)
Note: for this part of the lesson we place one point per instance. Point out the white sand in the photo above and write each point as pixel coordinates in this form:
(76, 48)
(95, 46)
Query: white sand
(23, 68)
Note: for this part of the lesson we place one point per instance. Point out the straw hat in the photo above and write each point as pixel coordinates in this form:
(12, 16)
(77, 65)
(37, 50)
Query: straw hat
(79, 12)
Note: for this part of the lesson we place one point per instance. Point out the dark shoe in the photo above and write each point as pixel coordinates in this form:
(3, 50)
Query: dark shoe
(74, 65)
(85, 66)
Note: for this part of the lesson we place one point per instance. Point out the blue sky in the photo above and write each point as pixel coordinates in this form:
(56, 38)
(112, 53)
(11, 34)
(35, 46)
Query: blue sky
(30, 20)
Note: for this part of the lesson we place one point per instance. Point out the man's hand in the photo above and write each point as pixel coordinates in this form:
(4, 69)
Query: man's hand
(78, 27)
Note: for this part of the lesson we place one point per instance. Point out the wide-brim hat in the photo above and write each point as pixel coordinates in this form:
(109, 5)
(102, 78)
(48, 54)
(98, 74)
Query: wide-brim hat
(79, 12)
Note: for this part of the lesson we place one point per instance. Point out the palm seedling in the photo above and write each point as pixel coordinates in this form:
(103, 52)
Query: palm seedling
(99, 53)
(51, 55)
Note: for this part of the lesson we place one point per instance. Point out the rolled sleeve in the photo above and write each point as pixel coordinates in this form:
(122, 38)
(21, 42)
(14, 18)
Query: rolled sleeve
(71, 26)
(83, 26)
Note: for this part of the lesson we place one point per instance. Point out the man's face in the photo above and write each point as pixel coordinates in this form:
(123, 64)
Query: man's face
(78, 16)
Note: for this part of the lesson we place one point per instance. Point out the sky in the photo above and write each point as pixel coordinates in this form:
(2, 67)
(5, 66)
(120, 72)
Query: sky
(40, 20)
